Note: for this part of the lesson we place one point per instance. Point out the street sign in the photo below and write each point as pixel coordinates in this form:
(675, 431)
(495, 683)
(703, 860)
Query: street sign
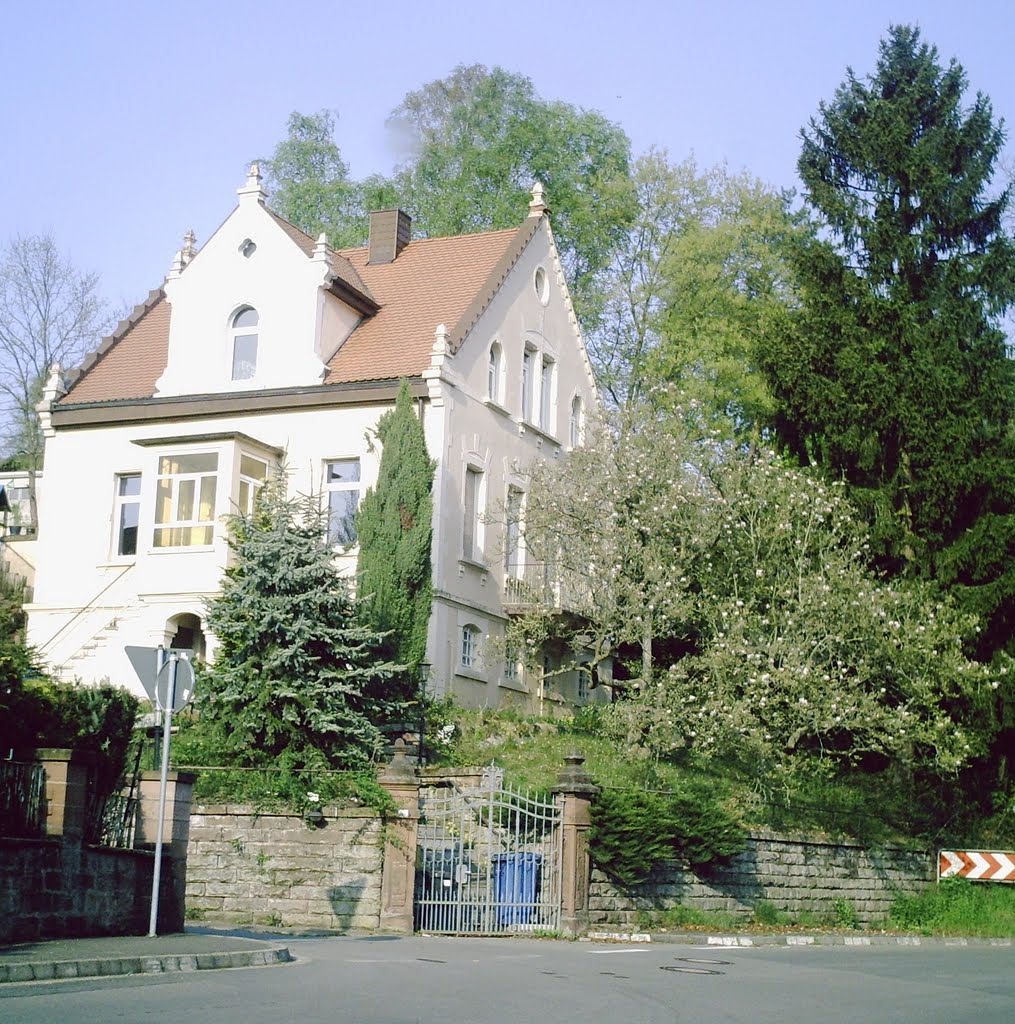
(977, 865)
(154, 675)
(184, 682)
(168, 678)
(146, 664)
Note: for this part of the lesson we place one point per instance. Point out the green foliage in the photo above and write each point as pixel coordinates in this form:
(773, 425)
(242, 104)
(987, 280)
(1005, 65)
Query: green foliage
(738, 592)
(309, 182)
(957, 906)
(394, 526)
(296, 672)
(893, 374)
(16, 658)
(97, 720)
(845, 914)
(696, 278)
(635, 831)
(480, 137)
(283, 785)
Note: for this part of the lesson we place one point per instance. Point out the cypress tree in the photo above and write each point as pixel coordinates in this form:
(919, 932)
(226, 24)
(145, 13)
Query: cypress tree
(395, 529)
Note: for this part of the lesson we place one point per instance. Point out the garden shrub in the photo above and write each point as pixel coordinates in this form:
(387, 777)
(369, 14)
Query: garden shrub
(635, 831)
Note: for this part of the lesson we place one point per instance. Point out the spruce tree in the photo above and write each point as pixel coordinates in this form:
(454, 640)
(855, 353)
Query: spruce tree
(394, 528)
(893, 372)
(296, 672)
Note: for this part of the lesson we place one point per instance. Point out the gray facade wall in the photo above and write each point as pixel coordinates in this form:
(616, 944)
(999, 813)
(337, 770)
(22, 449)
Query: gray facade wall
(796, 874)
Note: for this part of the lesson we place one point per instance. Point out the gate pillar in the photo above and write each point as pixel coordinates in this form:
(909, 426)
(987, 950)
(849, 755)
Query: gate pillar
(573, 794)
(398, 876)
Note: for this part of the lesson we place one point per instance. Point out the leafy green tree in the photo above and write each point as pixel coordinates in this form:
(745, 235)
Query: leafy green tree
(394, 526)
(296, 674)
(309, 184)
(698, 276)
(742, 587)
(478, 140)
(50, 312)
(893, 372)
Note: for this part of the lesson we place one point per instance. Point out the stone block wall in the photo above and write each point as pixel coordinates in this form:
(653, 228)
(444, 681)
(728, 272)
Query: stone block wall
(246, 867)
(58, 887)
(796, 874)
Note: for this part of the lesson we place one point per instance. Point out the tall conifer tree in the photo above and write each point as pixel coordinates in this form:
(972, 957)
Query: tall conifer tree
(893, 374)
(394, 527)
(296, 672)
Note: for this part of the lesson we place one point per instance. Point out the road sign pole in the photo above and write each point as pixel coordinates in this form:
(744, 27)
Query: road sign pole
(163, 786)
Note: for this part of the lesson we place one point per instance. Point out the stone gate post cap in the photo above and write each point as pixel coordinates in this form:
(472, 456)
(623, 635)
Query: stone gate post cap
(573, 778)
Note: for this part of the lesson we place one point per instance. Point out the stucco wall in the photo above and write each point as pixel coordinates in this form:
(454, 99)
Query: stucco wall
(795, 874)
(249, 868)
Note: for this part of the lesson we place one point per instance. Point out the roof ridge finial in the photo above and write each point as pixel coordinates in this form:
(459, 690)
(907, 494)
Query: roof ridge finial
(537, 206)
(189, 250)
(253, 186)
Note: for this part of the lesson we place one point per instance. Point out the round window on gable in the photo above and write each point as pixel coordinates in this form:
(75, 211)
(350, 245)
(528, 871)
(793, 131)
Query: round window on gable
(247, 248)
(542, 285)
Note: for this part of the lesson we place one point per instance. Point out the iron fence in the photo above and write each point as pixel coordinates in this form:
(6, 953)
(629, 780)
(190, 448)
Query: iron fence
(22, 799)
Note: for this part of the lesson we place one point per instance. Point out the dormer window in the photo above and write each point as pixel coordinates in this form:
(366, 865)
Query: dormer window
(243, 332)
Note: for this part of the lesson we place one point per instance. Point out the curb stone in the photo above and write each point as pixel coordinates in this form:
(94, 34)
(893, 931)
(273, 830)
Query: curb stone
(110, 966)
(704, 939)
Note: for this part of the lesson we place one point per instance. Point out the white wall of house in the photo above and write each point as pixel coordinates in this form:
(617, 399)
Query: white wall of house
(91, 600)
(492, 436)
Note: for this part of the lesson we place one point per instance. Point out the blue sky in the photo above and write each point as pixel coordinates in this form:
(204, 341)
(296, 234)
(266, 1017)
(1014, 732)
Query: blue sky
(126, 123)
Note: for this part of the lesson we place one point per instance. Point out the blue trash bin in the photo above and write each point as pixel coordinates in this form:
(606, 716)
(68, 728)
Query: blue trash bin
(515, 886)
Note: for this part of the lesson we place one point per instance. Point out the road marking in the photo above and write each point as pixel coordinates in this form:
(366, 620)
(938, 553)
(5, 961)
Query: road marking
(611, 952)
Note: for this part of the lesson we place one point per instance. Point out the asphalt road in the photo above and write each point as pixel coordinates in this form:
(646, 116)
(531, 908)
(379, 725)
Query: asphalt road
(377, 980)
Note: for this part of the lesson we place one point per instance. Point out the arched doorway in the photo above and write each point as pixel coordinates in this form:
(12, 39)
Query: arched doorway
(185, 633)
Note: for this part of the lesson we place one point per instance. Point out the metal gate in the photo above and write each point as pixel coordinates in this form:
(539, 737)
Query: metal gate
(487, 859)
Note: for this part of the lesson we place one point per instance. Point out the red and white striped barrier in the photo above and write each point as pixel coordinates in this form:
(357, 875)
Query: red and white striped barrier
(977, 865)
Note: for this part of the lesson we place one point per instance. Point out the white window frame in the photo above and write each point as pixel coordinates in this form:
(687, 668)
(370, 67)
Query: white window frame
(473, 505)
(243, 369)
(514, 561)
(468, 651)
(576, 422)
(187, 487)
(334, 487)
(494, 371)
(528, 382)
(249, 484)
(122, 501)
(547, 377)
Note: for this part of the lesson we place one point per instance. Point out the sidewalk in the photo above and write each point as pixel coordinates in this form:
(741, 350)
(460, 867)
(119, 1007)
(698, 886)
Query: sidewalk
(48, 959)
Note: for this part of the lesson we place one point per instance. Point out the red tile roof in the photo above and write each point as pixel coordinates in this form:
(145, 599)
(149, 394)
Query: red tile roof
(433, 281)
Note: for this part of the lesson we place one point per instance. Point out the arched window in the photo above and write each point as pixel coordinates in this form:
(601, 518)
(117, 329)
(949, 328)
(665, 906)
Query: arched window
(493, 373)
(243, 334)
(576, 421)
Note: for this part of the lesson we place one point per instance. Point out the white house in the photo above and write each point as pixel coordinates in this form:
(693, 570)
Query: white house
(267, 345)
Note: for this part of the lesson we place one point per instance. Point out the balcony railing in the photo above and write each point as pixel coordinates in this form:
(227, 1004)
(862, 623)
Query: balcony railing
(532, 585)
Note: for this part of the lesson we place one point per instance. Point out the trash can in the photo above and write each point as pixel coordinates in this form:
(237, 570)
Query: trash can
(515, 886)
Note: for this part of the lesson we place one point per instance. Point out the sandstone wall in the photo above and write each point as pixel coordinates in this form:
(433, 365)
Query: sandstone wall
(246, 867)
(55, 888)
(795, 874)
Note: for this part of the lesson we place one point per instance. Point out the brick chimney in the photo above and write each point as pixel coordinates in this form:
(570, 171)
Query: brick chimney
(390, 233)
